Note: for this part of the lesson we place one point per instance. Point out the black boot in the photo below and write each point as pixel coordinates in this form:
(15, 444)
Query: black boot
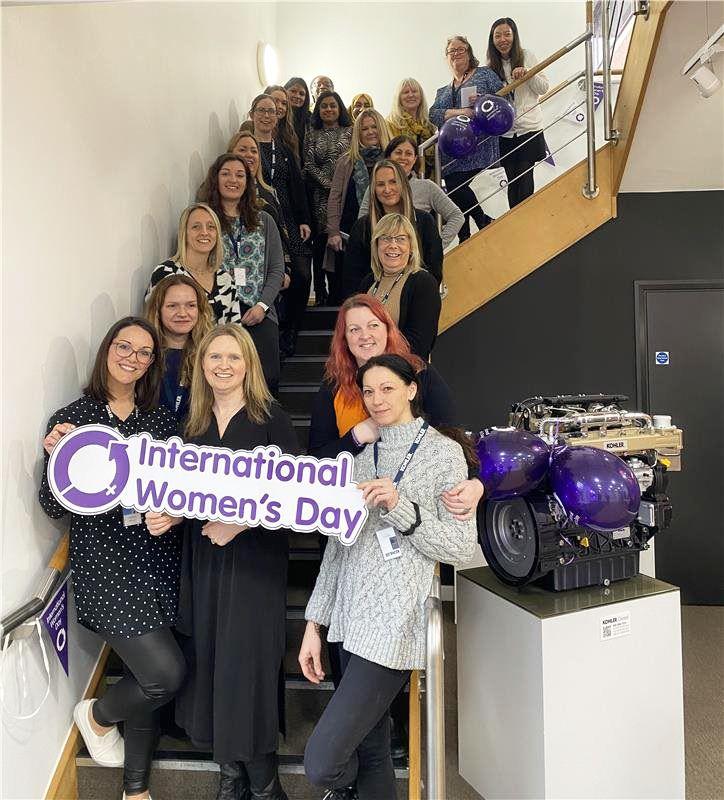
(234, 782)
(273, 791)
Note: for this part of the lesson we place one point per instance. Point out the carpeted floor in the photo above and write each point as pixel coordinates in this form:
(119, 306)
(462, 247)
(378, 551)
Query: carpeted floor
(703, 649)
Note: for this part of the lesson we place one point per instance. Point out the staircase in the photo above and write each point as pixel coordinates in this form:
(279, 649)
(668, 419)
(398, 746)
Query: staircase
(179, 770)
(558, 215)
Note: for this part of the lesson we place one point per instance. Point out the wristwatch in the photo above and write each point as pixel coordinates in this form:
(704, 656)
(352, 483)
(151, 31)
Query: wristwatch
(417, 521)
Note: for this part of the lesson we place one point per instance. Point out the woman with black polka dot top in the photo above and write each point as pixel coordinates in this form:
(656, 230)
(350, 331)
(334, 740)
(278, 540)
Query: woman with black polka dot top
(125, 569)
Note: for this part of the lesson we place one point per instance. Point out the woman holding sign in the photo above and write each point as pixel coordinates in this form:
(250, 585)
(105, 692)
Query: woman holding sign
(371, 596)
(233, 582)
(125, 573)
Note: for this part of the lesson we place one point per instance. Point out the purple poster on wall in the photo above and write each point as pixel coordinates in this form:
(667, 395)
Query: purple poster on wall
(55, 619)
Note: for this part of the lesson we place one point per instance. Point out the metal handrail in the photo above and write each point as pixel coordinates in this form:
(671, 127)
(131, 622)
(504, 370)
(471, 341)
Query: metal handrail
(434, 695)
(44, 591)
(590, 190)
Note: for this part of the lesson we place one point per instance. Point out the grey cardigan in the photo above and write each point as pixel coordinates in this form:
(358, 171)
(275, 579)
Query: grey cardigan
(376, 607)
(428, 196)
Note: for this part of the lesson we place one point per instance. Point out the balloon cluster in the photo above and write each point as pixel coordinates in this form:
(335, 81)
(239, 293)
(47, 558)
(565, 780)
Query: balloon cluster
(596, 489)
(492, 116)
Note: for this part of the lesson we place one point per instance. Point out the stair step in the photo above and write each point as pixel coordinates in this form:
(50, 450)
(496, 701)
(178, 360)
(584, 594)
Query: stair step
(313, 342)
(319, 318)
(302, 368)
(297, 398)
(194, 761)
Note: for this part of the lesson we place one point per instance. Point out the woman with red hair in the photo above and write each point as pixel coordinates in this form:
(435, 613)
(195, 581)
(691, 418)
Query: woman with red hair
(364, 329)
(340, 422)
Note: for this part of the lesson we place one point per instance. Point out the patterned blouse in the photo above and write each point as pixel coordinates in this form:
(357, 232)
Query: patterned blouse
(322, 149)
(125, 581)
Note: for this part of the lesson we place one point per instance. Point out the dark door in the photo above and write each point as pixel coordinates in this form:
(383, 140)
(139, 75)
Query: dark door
(680, 355)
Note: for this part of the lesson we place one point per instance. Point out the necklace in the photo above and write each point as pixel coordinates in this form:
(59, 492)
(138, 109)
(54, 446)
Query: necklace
(387, 294)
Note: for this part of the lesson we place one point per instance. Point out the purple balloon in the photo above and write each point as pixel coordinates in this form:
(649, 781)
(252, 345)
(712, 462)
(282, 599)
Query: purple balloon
(597, 489)
(457, 138)
(492, 115)
(512, 462)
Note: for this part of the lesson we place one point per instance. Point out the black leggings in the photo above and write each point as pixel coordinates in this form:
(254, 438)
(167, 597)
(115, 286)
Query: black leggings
(296, 296)
(465, 199)
(518, 154)
(351, 742)
(154, 670)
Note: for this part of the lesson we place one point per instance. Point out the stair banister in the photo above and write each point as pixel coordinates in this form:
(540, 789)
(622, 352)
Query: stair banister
(434, 695)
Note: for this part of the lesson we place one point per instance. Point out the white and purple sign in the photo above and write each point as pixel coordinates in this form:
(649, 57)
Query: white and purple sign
(55, 620)
(94, 468)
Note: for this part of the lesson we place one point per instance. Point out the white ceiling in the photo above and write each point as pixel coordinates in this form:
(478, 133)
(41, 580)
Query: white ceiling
(679, 142)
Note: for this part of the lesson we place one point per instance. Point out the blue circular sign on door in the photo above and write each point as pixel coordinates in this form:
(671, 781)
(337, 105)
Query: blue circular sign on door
(662, 357)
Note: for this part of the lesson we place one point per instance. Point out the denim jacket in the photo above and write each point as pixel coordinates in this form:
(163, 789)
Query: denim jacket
(484, 155)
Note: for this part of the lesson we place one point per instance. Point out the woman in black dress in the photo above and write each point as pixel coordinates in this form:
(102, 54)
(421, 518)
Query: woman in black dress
(181, 314)
(125, 573)
(233, 582)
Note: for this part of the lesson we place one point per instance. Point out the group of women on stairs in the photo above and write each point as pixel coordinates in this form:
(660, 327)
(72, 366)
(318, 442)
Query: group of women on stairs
(196, 609)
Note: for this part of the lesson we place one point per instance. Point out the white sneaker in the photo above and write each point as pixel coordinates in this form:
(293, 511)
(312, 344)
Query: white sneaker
(106, 750)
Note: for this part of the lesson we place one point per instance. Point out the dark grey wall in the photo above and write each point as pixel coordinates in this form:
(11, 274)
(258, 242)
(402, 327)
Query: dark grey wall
(569, 327)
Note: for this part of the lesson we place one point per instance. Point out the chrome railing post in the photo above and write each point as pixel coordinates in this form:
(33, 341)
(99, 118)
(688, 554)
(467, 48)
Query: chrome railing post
(609, 133)
(434, 696)
(590, 190)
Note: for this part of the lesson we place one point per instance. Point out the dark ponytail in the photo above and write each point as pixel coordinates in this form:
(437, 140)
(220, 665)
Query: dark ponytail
(406, 372)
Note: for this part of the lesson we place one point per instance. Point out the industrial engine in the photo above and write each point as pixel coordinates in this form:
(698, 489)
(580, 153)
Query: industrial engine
(576, 487)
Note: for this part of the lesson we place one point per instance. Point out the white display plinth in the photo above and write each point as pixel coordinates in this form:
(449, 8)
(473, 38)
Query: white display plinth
(552, 707)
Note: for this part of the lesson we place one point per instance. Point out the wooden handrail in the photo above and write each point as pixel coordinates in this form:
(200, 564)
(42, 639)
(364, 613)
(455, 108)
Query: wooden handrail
(562, 51)
(59, 559)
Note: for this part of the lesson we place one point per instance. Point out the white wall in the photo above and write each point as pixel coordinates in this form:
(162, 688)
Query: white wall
(679, 143)
(111, 115)
(370, 47)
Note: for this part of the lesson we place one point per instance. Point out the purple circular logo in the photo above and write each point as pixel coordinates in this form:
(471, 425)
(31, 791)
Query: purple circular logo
(108, 445)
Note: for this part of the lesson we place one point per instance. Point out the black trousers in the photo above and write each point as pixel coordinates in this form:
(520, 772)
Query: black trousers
(518, 154)
(265, 336)
(154, 670)
(297, 294)
(351, 742)
(465, 199)
(319, 246)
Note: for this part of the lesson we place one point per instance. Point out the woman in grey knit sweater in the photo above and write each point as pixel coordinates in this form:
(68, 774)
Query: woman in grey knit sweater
(371, 595)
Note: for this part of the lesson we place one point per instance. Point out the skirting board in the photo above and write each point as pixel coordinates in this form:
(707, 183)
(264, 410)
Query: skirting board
(64, 783)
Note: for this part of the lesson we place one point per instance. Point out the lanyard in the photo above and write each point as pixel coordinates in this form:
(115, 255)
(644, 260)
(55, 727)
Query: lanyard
(272, 170)
(387, 294)
(112, 417)
(408, 458)
(169, 392)
(235, 242)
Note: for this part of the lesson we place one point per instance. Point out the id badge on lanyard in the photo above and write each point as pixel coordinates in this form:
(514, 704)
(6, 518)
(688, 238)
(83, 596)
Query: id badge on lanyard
(131, 517)
(387, 537)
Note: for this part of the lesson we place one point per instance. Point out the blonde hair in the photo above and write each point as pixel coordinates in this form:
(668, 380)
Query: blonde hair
(360, 96)
(382, 132)
(395, 225)
(234, 141)
(376, 209)
(396, 117)
(257, 397)
(204, 323)
(216, 256)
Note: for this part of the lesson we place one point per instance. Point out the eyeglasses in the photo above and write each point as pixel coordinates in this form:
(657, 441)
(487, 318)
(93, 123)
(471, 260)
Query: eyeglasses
(269, 112)
(457, 51)
(124, 350)
(403, 238)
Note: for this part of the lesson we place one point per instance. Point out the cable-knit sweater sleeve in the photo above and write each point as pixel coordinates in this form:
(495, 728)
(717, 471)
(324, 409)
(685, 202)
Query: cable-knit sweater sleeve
(321, 603)
(439, 535)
